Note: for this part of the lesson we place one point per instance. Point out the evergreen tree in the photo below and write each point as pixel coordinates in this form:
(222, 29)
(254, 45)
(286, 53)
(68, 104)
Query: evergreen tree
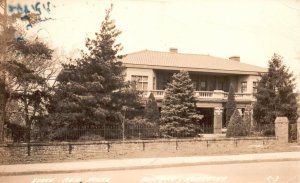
(83, 98)
(27, 67)
(246, 123)
(7, 39)
(151, 110)
(235, 127)
(126, 105)
(178, 115)
(275, 95)
(15, 52)
(230, 104)
(27, 82)
(127, 102)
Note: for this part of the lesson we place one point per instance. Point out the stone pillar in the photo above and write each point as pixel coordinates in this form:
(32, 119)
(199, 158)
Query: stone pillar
(282, 129)
(298, 130)
(218, 94)
(218, 120)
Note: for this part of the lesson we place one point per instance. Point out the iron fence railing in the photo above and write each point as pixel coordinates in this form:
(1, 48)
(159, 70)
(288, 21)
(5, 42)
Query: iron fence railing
(130, 132)
(265, 129)
(99, 133)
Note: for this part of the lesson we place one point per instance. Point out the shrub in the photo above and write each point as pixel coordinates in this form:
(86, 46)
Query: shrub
(16, 132)
(151, 110)
(266, 129)
(246, 122)
(236, 126)
(292, 132)
(90, 137)
(140, 128)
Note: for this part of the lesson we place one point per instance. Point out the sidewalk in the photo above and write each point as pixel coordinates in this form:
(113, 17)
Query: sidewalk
(138, 163)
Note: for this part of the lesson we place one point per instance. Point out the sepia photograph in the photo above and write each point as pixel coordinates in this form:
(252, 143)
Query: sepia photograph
(149, 91)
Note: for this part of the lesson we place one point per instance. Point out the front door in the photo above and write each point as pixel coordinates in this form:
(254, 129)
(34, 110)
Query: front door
(207, 122)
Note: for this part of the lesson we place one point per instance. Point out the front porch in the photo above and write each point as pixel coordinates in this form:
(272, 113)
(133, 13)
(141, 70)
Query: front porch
(211, 104)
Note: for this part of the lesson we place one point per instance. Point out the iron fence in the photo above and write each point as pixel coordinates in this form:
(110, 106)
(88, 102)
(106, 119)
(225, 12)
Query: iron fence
(264, 129)
(98, 133)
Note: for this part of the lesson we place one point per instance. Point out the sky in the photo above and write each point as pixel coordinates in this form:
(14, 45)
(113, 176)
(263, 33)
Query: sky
(252, 29)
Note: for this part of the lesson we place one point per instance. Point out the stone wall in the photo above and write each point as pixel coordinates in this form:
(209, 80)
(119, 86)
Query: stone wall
(49, 152)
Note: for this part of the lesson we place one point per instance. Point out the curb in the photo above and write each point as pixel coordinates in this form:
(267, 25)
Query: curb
(145, 167)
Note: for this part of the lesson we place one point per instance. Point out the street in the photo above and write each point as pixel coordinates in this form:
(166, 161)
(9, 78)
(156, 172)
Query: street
(284, 171)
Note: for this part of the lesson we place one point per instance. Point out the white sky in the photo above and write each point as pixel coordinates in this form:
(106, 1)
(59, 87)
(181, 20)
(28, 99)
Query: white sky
(253, 29)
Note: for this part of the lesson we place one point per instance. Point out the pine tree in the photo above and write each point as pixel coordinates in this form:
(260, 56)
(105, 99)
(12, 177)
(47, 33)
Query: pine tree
(27, 81)
(151, 110)
(7, 39)
(83, 98)
(178, 114)
(230, 104)
(128, 101)
(275, 95)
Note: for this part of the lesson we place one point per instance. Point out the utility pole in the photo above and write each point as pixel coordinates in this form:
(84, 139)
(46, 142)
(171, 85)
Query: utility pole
(3, 46)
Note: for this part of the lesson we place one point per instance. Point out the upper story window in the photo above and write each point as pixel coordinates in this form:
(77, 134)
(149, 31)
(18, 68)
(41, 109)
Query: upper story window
(141, 82)
(254, 87)
(202, 86)
(243, 86)
(194, 85)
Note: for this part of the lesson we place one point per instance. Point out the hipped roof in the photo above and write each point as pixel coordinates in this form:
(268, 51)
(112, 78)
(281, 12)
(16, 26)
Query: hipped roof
(189, 62)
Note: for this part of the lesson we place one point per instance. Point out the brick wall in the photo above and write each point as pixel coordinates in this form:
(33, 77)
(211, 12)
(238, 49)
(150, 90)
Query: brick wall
(49, 152)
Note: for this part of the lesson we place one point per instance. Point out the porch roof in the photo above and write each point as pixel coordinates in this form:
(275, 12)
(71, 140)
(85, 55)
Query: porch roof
(189, 62)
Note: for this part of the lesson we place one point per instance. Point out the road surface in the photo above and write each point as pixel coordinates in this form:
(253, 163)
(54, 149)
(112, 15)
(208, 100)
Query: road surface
(266, 172)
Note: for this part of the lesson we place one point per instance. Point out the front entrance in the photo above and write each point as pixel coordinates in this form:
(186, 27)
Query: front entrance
(207, 122)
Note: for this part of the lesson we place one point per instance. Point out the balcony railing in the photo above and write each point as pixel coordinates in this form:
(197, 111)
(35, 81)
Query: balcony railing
(205, 95)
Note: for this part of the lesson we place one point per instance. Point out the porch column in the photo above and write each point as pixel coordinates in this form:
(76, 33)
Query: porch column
(218, 119)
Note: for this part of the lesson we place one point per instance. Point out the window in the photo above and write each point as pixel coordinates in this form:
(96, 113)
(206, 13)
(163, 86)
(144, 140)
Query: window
(194, 85)
(202, 86)
(154, 83)
(141, 82)
(220, 84)
(254, 87)
(244, 87)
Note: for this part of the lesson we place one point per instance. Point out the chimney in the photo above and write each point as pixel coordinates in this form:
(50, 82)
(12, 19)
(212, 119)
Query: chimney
(235, 58)
(173, 50)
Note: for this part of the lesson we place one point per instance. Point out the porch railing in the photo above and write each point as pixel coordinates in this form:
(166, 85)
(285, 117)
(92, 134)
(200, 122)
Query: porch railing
(216, 94)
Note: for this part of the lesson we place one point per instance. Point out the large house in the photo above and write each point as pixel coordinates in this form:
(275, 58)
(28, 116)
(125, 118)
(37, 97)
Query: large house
(211, 76)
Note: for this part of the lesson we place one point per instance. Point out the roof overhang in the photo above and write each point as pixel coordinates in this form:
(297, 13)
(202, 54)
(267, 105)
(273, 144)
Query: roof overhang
(206, 70)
